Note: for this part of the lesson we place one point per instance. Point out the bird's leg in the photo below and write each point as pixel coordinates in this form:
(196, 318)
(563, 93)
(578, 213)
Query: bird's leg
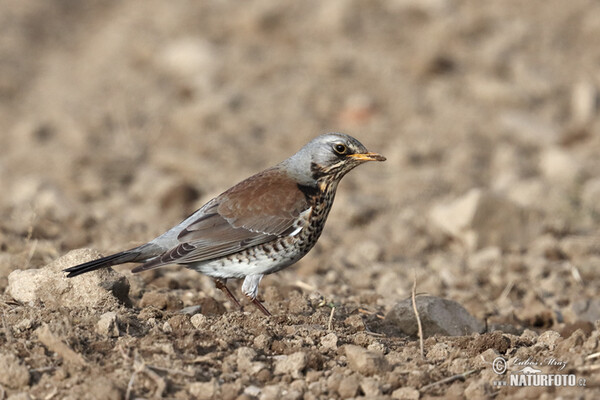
(222, 285)
(250, 289)
(261, 307)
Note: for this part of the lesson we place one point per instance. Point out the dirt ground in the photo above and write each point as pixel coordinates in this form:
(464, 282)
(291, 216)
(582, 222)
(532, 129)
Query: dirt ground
(120, 118)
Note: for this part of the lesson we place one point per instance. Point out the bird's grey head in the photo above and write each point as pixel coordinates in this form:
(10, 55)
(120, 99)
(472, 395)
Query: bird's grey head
(329, 156)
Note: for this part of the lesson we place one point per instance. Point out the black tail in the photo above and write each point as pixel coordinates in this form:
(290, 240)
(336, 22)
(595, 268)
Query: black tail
(104, 262)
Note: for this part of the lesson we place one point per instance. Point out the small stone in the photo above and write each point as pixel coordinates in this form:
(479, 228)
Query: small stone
(477, 389)
(370, 387)
(191, 310)
(590, 195)
(292, 364)
(50, 286)
(210, 306)
(405, 393)
(13, 373)
(107, 325)
(181, 323)
(549, 339)
(19, 396)
(252, 391)
(329, 341)
(204, 390)
(348, 386)
(364, 361)
(245, 356)
(199, 321)
(24, 325)
(333, 381)
(481, 219)
(438, 316)
(270, 392)
(161, 300)
(230, 390)
(262, 341)
(438, 352)
(587, 310)
(486, 358)
(560, 166)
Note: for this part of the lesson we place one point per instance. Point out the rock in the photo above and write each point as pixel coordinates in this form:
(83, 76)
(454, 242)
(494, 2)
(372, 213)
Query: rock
(262, 341)
(55, 344)
(19, 396)
(438, 316)
(245, 356)
(252, 391)
(548, 339)
(370, 387)
(204, 390)
(161, 300)
(181, 323)
(348, 386)
(405, 393)
(584, 100)
(590, 196)
(587, 310)
(364, 361)
(192, 61)
(477, 389)
(13, 373)
(107, 325)
(329, 341)
(199, 321)
(292, 364)
(191, 310)
(559, 166)
(482, 219)
(49, 285)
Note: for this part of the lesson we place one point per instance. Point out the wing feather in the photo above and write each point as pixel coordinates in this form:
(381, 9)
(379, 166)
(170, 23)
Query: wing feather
(255, 211)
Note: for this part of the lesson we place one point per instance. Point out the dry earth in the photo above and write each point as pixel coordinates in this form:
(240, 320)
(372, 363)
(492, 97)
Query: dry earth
(119, 118)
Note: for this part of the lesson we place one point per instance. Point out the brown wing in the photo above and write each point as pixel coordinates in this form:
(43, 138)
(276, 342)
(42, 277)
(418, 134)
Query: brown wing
(255, 211)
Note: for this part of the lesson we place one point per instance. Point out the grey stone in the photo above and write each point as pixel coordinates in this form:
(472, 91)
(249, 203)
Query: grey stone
(438, 316)
(587, 310)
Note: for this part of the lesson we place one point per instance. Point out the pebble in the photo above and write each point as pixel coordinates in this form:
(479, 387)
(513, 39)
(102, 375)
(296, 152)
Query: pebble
(370, 387)
(204, 390)
(329, 341)
(348, 386)
(481, 218)
(199, 321)
(364, 361)
(13, 373)
(405, 393)
(107, 325)
(548, 339)
(292, 364)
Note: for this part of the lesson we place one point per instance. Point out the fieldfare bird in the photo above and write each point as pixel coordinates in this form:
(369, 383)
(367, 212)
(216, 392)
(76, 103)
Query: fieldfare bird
(259, 226)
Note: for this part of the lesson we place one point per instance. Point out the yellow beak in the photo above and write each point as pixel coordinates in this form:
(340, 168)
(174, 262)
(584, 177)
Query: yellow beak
(367, 157)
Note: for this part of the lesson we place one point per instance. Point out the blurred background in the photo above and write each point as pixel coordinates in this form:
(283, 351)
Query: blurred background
(120, 118)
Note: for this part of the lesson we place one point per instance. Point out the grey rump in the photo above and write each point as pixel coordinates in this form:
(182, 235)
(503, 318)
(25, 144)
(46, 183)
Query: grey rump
(259, 226)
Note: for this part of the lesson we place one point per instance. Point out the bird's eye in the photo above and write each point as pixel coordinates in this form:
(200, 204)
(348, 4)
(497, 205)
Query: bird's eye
(340, 148)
